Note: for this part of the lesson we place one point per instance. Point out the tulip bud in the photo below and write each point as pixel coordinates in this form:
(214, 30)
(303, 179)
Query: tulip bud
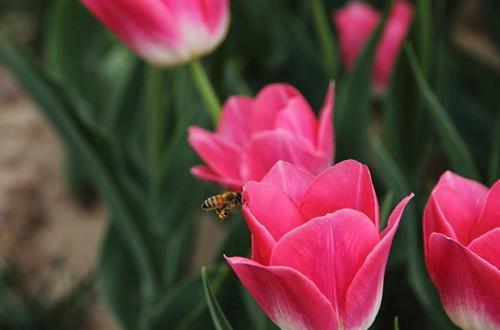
(167, 32)
(462, 250)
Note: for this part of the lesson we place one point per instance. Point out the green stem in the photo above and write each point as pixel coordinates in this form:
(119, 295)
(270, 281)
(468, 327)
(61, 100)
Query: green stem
(156, 107)
(206, 90)
(325, 36)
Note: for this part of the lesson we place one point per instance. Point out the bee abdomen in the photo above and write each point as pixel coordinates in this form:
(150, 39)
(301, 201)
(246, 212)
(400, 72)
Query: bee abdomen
(210, 203)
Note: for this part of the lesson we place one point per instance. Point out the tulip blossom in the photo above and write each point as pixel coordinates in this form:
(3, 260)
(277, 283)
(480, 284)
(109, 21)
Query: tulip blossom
(254, 133)
(318, 258)
(355, 24)
(165, 32)
(462, 250)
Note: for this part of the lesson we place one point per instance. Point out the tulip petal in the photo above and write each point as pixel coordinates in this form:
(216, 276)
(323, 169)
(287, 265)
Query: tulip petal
(298, 118)
(291, 179)
(487, 247)
(469, 189)
(270, 101)
(234, 124)
(329, 250)
(347, 184)
(490, 215)
(262, 241)
(290, 299)
(221, 156)
(269, 147)
(325, 141)
(364, 295)
(204, 173)
(468, 285)
(272, 207)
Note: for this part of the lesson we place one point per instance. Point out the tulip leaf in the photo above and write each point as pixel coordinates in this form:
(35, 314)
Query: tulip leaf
(352, 114)
(396, 323)
(453, 145)
(219, 319)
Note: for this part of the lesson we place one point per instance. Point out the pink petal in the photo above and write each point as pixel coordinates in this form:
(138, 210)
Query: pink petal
(288, 298)
(289, 178)
(269, 147)
(365, 292)
(326, 137)
(272, 207)
(392, 39)
(452, 208)
(469, 189)
(270, 101)
(298, 118)
(204, 173)
(329, 250)
(220, 155)
(487, 247)
(490, 215)
(468, 285)
(262, 241)
(347, 184)
(234, 124)
(355, 24)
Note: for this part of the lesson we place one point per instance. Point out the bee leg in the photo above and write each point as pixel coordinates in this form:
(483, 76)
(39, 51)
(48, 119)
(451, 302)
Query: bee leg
(222, 213)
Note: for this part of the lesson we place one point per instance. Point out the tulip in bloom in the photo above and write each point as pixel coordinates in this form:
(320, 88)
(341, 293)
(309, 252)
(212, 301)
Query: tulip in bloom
(318, 259)
(254, 133)
(165, 32)
(355, 24)
(462, 250)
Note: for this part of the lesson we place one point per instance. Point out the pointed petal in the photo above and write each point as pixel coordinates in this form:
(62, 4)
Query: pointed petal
(329, 250)
(365, 292)
(468, 285)
(490, 215)
(270, 101)
(487, 247)
(262, 241)
(221, 156)
(347, 184)
(469, 189)
(298, 118)
(291, 179)
(267, 148)
(326, 136)
(204, 173)
(272, 208)
(290, 299)
(234, 124)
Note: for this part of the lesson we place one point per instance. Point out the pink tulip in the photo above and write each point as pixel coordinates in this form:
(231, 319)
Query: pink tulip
(355, 24)
(254, 133)
(165, 32)
(318, 259)
(462, 250)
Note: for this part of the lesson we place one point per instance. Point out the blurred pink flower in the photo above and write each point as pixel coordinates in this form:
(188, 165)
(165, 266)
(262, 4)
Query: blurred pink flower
(462, 250)
(254, 133)
(318, 259)
(165, 32)
(355, 24)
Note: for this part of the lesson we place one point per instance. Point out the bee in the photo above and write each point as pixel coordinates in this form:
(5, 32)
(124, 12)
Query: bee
(222, 203)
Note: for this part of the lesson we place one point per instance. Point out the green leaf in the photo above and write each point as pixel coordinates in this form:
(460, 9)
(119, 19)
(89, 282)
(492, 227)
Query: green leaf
(119, 280)
(352, 114)
(453, 146)
(495, 153)
(218, 317)
(396, 323)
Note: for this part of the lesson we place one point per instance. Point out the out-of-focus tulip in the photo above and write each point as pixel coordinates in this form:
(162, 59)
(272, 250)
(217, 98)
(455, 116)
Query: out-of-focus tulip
(253, 134)
(462, 250)
(165, 32)
(318, 259)
(355, 24)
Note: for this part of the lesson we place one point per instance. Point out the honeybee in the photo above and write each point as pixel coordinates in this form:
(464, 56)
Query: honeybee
(222, 203)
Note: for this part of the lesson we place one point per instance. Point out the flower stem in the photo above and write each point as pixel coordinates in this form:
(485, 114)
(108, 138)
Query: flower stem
(325, 36)
(206, 90)
(156, 107)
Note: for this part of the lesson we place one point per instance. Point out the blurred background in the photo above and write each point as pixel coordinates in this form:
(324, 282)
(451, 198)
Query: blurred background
(53, 220)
